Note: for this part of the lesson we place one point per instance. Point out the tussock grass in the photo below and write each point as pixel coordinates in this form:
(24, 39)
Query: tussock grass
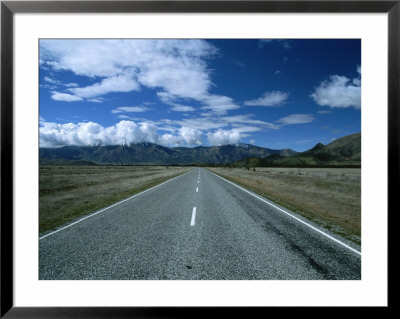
(69, 192)
(331, 197)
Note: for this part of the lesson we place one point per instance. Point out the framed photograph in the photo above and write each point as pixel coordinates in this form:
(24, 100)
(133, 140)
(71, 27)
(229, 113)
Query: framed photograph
(165, 157)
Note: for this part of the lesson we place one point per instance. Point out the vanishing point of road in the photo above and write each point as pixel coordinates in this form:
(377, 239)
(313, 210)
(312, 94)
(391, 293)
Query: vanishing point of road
(197, 226)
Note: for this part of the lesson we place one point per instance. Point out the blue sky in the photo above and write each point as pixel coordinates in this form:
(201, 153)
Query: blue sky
(272, 93)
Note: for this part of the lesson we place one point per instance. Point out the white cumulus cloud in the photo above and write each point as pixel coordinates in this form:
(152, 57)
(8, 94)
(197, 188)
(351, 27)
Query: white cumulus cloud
(223, 137)
(191, 136)
(339, 92)
(185, 137)
(219, 104)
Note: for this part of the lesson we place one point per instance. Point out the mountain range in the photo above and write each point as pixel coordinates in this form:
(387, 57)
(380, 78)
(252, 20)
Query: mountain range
(342, 152)
(153, 154)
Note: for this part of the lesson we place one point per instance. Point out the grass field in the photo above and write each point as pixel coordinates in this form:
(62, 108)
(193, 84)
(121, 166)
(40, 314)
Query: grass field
(331, 197)
(69, 192)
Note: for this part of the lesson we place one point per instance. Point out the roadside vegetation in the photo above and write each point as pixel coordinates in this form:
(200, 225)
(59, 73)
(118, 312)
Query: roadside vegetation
(69, 192)
(330, 197)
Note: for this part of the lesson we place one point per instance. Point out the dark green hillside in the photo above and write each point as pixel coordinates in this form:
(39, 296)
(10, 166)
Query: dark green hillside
(342, 152)
(348, 147)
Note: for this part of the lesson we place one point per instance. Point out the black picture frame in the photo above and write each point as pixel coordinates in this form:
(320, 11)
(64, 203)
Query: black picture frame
(9, 8)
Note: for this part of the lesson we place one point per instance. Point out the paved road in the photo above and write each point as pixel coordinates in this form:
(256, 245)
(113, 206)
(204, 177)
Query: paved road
(196, 226)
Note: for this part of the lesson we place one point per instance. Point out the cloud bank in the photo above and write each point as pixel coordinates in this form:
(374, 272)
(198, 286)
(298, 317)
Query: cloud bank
(124, 132)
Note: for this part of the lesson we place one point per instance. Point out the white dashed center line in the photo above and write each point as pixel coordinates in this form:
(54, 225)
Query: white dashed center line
(193, 216)
(197, 189)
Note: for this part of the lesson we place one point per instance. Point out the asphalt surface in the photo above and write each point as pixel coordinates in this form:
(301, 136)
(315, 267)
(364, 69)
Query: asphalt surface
(230, 235)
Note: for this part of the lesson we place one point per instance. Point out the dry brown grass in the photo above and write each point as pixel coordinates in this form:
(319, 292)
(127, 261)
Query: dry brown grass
(69, 192)
(330, 197)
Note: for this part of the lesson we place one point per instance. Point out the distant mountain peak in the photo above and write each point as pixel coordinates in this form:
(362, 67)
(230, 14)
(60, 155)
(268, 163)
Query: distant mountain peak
(143, 143)
(242, 145)
(317, 147)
